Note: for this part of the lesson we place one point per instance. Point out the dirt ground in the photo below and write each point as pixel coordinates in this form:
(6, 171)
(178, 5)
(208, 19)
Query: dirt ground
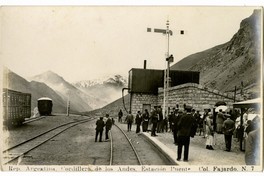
(75, 146)
(18, 134)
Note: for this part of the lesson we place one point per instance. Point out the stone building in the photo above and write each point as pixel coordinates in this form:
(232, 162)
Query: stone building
(146, 91)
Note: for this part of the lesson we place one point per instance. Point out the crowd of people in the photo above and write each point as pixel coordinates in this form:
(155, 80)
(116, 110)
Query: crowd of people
(186, 123)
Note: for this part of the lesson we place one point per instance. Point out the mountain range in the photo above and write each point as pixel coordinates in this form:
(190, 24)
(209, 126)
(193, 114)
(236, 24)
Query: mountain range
(235, 63)
(83, 97)
(78, 100)
(108, 89)
(37, 90)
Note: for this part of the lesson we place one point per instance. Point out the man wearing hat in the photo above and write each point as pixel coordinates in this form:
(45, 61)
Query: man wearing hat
(108, 126)
(184, 132)
(219, 121)
(99, 129)
(129, 120)
(177, 116)
(228, 129)
(154, 121)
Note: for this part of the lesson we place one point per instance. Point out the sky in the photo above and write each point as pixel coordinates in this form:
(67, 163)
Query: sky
(89, 42)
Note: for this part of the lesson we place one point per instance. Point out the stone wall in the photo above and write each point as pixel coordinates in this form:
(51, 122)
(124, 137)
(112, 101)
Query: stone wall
(198, 96)
(138, 99)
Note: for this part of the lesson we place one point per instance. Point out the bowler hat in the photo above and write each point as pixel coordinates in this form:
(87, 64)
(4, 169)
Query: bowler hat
(187, 107)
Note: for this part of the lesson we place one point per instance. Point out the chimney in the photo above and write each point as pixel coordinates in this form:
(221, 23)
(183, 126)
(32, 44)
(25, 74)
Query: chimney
(145, 64)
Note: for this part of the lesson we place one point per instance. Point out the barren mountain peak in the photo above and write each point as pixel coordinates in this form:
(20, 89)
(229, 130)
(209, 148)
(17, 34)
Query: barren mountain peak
(233, 64)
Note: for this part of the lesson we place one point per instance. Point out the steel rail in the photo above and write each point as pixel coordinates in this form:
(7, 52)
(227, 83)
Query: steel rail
(41, 117)
(72, 124)
(41, 135)
(33, 119)
(132, 146)
(111, 149)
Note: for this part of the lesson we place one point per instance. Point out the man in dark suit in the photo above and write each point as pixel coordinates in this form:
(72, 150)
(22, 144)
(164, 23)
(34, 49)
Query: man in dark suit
(184, 132)
(120, 115)
(176, 118)
(108, 126)
(99, 129)
(138, 121)
(160, 120)
(228, 129)
(145, 119)
(154, 121)
(129, 120)
(219, 121)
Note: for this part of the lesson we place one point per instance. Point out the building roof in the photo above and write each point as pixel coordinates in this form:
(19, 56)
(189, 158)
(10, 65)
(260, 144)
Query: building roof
(45, 98)
(248, 103)
(149, 80)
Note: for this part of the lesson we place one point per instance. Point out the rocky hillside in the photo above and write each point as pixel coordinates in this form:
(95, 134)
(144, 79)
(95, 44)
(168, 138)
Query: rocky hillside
(222, 67)
(112, 108)
(235, 63)
(36, 89)
(80, 102)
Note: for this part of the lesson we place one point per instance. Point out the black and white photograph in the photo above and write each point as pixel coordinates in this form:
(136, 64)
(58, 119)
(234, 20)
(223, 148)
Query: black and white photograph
(131, 88)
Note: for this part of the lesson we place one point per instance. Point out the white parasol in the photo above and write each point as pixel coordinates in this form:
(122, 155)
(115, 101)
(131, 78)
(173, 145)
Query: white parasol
(224, 108)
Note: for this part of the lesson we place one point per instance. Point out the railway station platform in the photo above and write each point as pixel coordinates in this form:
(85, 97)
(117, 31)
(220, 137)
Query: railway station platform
(198, 154)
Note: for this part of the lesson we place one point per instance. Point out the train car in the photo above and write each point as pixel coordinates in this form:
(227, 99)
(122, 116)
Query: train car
(45, 106)
(16, 107)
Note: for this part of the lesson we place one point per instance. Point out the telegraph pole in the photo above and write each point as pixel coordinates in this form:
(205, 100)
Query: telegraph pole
(68, 105)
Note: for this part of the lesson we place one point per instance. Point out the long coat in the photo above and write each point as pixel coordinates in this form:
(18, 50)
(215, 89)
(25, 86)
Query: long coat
(138, 119)
(228, 126)
(130, 118)
(108, 124)
(100, 125)
(120, 114)
(154, 117)
(185, 125)
(145, 116)
(209, 126)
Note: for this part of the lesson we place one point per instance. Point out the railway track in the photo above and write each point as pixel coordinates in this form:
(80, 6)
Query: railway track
(33, 119)
(29, 120)
(116, 152)
(17, 151)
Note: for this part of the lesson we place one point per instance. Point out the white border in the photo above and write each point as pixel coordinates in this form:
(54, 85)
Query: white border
(137, 2)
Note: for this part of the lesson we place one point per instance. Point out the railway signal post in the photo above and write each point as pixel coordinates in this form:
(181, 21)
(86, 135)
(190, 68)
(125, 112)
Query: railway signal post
(169, 59)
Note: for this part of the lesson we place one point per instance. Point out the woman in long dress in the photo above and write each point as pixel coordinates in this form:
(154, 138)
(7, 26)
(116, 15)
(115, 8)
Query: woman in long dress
(209, 131)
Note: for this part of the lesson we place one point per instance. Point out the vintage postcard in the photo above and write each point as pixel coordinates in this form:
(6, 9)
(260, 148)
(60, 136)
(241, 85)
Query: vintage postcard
(131, 89)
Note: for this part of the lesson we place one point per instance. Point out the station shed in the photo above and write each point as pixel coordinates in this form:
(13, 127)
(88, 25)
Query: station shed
(244, 106)
(144, 85)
